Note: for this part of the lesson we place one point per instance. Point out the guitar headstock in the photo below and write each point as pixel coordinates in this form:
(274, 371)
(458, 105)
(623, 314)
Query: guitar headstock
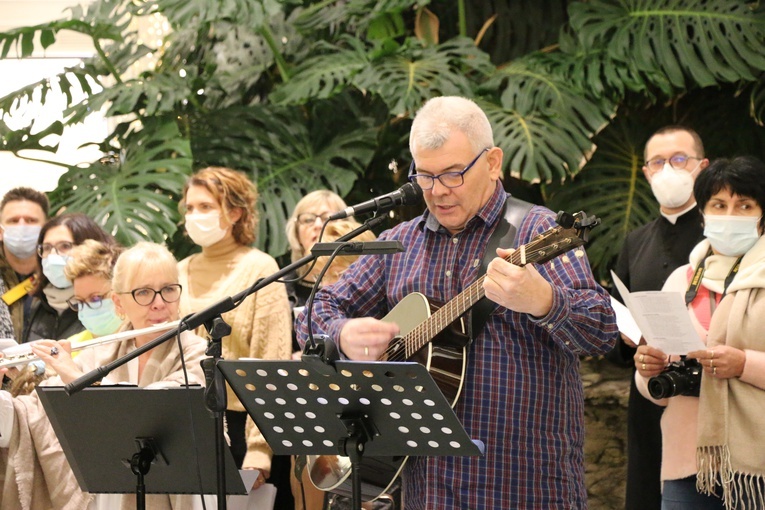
(579, 222)
(573, 231)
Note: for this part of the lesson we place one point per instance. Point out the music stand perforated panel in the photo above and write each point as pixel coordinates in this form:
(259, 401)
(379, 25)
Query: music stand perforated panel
(302, 411)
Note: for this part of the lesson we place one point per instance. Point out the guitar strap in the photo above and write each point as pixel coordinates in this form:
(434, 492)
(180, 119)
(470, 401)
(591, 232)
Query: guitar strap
(503, 236)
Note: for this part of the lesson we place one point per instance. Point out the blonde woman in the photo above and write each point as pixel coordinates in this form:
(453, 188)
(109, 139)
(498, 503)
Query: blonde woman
(145, 291)
(303, 229)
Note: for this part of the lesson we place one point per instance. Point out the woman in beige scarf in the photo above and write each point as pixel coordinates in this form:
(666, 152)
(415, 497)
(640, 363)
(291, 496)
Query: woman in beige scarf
(727, 419)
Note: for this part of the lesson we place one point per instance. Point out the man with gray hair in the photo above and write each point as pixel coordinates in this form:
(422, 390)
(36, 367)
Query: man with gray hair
(521, 394)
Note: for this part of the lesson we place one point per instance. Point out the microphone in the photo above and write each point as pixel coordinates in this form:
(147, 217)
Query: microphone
(408, 194)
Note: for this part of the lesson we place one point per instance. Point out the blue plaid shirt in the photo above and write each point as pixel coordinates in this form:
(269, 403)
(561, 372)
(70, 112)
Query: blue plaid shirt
(522, 394)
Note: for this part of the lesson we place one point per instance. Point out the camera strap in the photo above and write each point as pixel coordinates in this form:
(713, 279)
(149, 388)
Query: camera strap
(693, 287)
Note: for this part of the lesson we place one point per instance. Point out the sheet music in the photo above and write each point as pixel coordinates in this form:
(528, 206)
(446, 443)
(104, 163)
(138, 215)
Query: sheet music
(662, 318)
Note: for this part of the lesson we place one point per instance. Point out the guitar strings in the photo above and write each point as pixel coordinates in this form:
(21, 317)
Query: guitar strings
(439, 321)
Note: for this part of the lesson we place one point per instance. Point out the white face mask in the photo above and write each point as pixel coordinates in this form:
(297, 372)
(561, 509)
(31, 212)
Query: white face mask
(204, 229)
(672, 188)
(731, 235)
(21, 240)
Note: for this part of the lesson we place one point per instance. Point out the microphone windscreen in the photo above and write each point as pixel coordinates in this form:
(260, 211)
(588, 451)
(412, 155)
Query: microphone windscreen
(411, 194)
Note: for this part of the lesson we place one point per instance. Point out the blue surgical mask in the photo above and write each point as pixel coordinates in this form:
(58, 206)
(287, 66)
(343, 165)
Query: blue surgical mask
(731, 235)
(21, 240)
(53, 268)
(102, 320)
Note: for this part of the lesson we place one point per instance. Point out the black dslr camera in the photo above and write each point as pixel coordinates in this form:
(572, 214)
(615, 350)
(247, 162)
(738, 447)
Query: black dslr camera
(679, 378)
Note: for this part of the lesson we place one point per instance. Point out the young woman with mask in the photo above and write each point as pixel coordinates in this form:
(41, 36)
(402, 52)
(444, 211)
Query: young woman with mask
(220, 216)
(714, 439)
(50, 316)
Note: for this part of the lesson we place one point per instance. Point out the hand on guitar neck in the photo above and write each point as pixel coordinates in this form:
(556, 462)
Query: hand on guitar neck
(366, 339)
(517, 287)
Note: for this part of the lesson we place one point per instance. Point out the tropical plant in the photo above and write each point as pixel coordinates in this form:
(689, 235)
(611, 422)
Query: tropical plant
(304, 94)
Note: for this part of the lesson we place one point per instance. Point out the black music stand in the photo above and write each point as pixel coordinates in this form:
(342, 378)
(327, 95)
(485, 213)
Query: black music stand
(350, 408)
(113, 436)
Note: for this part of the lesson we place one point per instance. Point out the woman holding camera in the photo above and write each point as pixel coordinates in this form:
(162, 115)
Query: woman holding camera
(713, 455)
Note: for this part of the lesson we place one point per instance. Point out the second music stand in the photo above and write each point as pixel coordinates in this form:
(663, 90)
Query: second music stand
(101, 429)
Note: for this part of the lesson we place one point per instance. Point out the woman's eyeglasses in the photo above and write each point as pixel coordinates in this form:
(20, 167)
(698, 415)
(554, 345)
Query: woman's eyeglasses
(306, 219)
(93, 302)
(62, 248)
(145, 295)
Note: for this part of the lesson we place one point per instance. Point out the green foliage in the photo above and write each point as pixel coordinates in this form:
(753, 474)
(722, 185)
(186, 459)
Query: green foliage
(132, 192)
(305, 95)
(692, 42)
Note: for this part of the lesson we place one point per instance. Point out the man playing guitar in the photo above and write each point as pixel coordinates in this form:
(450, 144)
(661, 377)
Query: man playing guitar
(521, 393)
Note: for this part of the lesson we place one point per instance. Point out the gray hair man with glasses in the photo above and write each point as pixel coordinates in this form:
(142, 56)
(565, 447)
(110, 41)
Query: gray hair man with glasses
(521, 393)
(674, 157)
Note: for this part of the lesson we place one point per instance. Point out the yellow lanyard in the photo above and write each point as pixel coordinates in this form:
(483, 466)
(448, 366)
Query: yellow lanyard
(19, 291)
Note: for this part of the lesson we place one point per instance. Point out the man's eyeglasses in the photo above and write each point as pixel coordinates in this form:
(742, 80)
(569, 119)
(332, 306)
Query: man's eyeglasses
(62, 248)
(678, 162)
(448, 179)
(306, 219)
(145, 295)
(93, 302)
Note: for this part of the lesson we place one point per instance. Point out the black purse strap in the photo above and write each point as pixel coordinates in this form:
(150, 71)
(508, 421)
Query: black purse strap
(514, 211)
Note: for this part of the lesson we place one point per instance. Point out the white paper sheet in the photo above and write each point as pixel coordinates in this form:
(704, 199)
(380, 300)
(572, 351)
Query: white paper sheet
(626, 323)
(662, 318)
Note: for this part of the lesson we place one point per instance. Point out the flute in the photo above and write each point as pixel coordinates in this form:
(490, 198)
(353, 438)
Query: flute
(22, 354)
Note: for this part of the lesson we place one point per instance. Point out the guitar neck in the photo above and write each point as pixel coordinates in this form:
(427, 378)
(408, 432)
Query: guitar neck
(544, 247)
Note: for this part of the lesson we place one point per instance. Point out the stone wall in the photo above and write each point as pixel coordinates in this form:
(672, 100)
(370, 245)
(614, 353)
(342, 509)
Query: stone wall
(606, 391)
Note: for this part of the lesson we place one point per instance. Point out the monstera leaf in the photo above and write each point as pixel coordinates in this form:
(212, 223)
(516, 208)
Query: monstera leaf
(355, 14)
(287, 153)
(183, 13)
(134, 193)
(692, 42)
(612, 186)
(413, 74)
(327, 72)
(23, 138)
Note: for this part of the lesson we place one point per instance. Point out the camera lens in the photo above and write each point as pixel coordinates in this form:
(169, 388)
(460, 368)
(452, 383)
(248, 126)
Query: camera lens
(661, 386)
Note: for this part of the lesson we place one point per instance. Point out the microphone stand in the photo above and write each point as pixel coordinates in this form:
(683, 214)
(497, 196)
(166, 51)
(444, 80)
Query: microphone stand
(210, 317)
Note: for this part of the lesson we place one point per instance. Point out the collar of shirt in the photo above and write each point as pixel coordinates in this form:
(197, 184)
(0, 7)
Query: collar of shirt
(672, 218)
(488, 214)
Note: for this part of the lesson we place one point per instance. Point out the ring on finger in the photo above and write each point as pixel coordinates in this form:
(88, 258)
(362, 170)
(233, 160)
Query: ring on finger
(366, 351)
(643, 366)
(54, 351)
(711, 363)
(711, 354)
(714, 371)
(642, 357)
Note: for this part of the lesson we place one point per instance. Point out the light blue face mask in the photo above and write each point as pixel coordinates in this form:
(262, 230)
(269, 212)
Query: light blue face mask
(53, 268)
(102, 320)
(731, 235)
